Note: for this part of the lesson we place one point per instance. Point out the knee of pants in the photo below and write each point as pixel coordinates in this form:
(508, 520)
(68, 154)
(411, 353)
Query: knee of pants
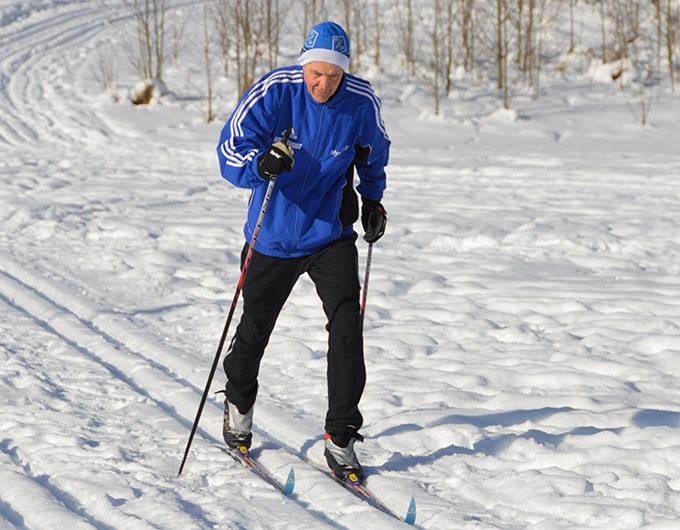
(256, 326)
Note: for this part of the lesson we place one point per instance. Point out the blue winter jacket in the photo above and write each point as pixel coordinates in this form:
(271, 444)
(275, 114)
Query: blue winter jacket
(314, 204)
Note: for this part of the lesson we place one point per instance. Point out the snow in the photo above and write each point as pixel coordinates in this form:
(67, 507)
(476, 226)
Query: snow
(522, 324)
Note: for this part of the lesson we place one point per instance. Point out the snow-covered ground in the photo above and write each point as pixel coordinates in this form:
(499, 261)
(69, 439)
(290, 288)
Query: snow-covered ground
(523, 321)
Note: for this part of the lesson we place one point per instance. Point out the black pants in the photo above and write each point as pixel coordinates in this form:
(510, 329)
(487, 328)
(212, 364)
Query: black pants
(267, 285)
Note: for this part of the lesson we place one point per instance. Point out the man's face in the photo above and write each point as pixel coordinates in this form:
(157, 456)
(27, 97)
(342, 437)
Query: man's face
(322, 79)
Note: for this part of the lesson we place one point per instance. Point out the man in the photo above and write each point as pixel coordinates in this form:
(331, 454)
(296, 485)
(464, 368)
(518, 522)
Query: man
(307, 126)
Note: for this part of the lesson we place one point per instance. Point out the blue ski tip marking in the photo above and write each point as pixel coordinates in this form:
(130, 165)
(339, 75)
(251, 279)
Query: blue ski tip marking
(290, 483)
(411, 513)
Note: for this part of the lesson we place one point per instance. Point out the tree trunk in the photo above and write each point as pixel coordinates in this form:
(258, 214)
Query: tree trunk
(603, 30)
(670, 41)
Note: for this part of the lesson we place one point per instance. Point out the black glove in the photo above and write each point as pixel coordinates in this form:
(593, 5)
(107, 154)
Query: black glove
(361, 153)
(373, 219)
(277, 159)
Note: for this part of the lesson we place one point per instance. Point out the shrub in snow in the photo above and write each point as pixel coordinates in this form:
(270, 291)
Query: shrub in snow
(145, 91)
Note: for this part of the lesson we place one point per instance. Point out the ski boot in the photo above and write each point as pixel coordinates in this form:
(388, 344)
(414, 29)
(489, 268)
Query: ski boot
(343, 460)
(236, 429)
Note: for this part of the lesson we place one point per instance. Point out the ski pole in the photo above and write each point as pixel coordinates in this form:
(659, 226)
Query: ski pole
(244, 269)
(367, 275)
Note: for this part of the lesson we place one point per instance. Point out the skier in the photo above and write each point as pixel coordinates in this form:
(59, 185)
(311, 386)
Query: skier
(308, 126)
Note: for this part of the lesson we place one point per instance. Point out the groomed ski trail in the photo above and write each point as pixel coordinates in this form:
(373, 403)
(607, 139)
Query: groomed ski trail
(117, 360)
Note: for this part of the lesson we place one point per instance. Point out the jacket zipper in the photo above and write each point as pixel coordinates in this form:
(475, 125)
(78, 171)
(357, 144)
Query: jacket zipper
(295, 236)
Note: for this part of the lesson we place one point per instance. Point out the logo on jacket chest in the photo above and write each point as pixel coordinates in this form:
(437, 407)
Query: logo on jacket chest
(295, 143)
(338, 152)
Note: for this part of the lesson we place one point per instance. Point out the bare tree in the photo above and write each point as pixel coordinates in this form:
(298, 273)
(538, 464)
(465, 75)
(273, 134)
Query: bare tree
(315, 12)
(249, 22)
(272, 13)
(449, 45)
(405, 28)
(378, 25)
(626, 26)
(519, 20)
(467, 33)
(150, 55)
(658, 22)
(248, 33)
(103, 70)
(207, 57)
(603, 30)
(672, 19)
(529, 57)
(221, 15)
(360, 28)
(537, 42)
(353, 15)
(572, 5)
(244, 45)
(501, 49)
(431, 74)
(533, 29)
(641, 86)
(177, 32)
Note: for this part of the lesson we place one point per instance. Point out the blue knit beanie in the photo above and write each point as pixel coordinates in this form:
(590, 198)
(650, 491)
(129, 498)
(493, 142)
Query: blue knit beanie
(326, 42)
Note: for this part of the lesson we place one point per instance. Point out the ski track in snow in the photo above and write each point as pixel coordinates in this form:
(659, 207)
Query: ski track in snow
(522, 326)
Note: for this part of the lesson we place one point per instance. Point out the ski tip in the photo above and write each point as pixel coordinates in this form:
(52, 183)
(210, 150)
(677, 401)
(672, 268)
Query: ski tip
(290, 483)
(411, 513)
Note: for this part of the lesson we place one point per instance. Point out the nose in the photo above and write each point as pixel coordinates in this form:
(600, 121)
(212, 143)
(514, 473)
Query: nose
(323, 84)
